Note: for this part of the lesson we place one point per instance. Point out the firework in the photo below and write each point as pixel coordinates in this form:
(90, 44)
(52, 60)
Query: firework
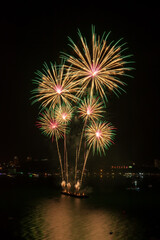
(99, 66)
(52, 128)
(68, 186)
(49, 125)
(77, 186)
(100, 136)
(63, 113)
(90, 71)
(55, 86)
(63, 184)
(91, 109)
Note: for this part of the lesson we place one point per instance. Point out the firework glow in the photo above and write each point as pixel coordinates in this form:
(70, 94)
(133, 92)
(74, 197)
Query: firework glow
(63, 113)
(92, 70)
(49, 125)
(100, 136)
(99, 66)
(52, 128)
(91, 108)
(55, 86)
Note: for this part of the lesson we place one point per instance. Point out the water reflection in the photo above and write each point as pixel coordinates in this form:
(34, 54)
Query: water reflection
(68, 218)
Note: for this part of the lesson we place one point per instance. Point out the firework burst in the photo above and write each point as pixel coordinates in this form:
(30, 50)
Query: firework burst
(91, 108)
(52, 128)
(99, 66)
(55, 86)
(63, 113)
(49, 125)
(100, 136)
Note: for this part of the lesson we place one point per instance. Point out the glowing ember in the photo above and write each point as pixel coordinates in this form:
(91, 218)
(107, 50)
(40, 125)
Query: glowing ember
(64, 115)
(77, 186)
(58, 89)
(93, 71)
(53, 125)
(63, 183)
(98, 134)
(88, 111)
(68, 185)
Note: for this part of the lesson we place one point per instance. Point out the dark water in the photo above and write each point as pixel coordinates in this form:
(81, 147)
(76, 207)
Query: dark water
(38, 211)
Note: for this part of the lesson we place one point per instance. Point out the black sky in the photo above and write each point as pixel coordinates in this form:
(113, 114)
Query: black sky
(31, 35)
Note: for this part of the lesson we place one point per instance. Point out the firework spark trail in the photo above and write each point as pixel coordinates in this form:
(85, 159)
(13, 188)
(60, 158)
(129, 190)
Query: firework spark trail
(64, 160)
(99, 66)
(84, 165)
(60, 159)
(80, 143)
(52, 128)
(66, 166)
(65, 157)
(55, 86)
(63, 113)
(100, 136)
(93, 69)
(75, 177)
(79, 148)
(90, 108)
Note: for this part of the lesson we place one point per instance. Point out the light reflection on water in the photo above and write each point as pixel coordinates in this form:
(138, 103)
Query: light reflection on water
(66, 218)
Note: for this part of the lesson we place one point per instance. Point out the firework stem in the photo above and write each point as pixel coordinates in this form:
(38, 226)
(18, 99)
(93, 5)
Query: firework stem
(60, 159)
(84, 165)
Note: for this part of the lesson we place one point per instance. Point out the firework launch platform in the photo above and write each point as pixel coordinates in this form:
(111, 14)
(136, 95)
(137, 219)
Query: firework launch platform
(76, 195)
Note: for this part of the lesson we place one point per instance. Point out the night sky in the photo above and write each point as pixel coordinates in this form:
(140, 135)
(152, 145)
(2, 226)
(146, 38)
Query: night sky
(31, 35)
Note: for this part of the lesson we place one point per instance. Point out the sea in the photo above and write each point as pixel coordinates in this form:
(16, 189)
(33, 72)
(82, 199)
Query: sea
(35, 209)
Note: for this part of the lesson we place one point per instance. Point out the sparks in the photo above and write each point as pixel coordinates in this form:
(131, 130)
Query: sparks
(58, 89)
(99, 66)
(90, 71)
(100, 136)
(55, 86)
(53, 125)
(91, 108)
(94, 71)
(49, 125)
(63, 113)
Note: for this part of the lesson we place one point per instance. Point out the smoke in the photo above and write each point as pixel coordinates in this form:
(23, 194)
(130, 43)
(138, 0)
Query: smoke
(87, 190)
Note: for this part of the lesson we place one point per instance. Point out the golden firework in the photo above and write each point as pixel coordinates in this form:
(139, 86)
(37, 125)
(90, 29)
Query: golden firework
(63, 113)
(49, 125)
(91, 108)
(100, 136)
(55, 86)
(99, 66)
